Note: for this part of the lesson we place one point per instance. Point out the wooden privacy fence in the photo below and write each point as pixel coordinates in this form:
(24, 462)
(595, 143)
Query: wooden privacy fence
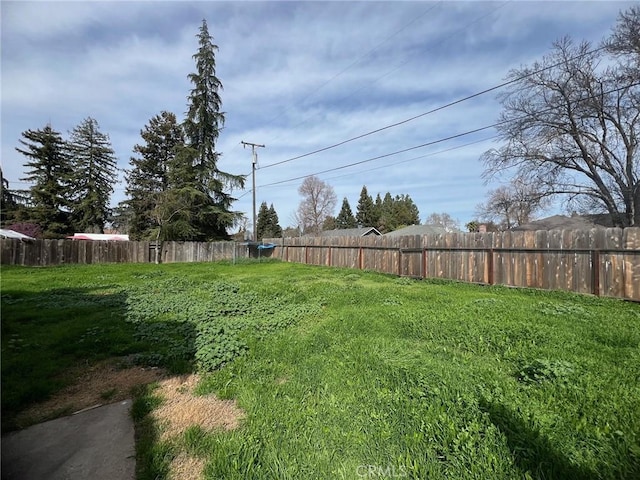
(57, 252)
(600, 261)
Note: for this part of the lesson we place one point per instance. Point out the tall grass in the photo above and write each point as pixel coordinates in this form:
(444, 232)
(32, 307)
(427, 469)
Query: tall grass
(370, 376)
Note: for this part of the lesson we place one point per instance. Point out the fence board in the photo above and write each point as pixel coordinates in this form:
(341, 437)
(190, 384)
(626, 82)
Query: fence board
(600, 261)
(56, 252)
(552, 260)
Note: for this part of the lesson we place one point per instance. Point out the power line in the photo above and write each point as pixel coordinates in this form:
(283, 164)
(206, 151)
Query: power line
(434, 142)
(442, 107)
(431, 154)
(451, 137)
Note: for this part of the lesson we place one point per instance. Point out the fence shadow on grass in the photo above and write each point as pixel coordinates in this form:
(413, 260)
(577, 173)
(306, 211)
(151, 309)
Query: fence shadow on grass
(49, 333)
(531, 450)
(45, 333)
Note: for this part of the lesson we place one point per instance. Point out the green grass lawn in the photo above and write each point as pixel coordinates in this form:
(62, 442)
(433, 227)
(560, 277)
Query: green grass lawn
(348, 374)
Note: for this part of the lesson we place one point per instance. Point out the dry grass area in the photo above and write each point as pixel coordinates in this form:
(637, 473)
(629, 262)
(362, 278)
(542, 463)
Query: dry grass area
(186, 467)
(112, 381)
(180, 410)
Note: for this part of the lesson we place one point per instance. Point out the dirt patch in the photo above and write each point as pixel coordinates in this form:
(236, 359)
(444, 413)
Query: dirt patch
(100, 384)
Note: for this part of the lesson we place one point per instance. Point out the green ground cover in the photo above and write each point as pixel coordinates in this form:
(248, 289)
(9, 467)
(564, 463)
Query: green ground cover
(348, 374)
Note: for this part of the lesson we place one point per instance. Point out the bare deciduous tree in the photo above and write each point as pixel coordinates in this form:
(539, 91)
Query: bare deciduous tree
(443, 220)
(625, 39)
(571, 126)
(318, 202)
(512, 205)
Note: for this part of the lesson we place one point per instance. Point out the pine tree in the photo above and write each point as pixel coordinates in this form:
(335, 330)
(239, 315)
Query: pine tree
(202, 127)
(386, 222)
(263, 221)
(329, 223)
(377, 209)
(267, 222)
(184, 211)
(8, 201)
(345, 218)
(276, 229)
(365, 212)
(405, 211)
(49, 171)
(148, 177)
(94, 175)
(396, 212)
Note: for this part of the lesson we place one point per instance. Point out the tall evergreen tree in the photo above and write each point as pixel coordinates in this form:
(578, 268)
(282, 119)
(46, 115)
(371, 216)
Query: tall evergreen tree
(267, 222)
(94, 175)
(405, 211)
(49, 170)
(386, 222)
(8, 201)
(263, 221)
(202, 127)
(148, 177)
(345, 218)
(365, 212)
(377, 209)
(184, 211)
(396, 212)
(276, 229)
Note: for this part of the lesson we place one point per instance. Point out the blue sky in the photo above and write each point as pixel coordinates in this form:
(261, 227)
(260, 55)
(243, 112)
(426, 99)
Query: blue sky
(297, 77)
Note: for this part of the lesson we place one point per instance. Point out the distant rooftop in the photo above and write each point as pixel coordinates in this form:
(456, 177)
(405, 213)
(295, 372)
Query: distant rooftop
(417, 230)
(99, 236)
(350, 232)
(575, 222)
(13, 234)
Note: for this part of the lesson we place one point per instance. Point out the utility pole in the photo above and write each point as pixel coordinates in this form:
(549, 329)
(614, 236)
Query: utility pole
(253, 180)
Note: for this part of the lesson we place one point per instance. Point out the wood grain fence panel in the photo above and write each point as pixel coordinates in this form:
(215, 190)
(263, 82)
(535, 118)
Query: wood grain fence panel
(582, 261)
(552, 262)
(438, 260)
(541, 244)
(393, 259)
(600, 261)
(500, 264)
(613, 277)
(631, 266)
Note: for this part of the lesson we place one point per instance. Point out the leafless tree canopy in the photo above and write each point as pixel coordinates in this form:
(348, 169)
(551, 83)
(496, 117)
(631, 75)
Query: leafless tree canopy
(625, 39)
(512, 205)
(443, 220)
(318, 202)
(571, 126)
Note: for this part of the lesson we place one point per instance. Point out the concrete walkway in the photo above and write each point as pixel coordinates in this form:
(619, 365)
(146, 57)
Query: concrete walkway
(95, 444)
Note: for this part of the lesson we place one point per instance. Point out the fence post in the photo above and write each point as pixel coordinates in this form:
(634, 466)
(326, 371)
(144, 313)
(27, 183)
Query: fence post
(329, 255)
(423, 266)
(399, 262)
(360, 257)
(595, 272)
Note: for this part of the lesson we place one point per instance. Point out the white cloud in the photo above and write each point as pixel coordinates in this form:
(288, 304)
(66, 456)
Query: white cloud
(297, 76)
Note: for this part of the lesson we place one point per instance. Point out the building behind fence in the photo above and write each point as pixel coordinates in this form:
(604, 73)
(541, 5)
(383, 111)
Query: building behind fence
(600, 261)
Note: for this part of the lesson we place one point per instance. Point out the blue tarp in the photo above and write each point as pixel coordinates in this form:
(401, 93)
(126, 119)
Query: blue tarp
(266, 246)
